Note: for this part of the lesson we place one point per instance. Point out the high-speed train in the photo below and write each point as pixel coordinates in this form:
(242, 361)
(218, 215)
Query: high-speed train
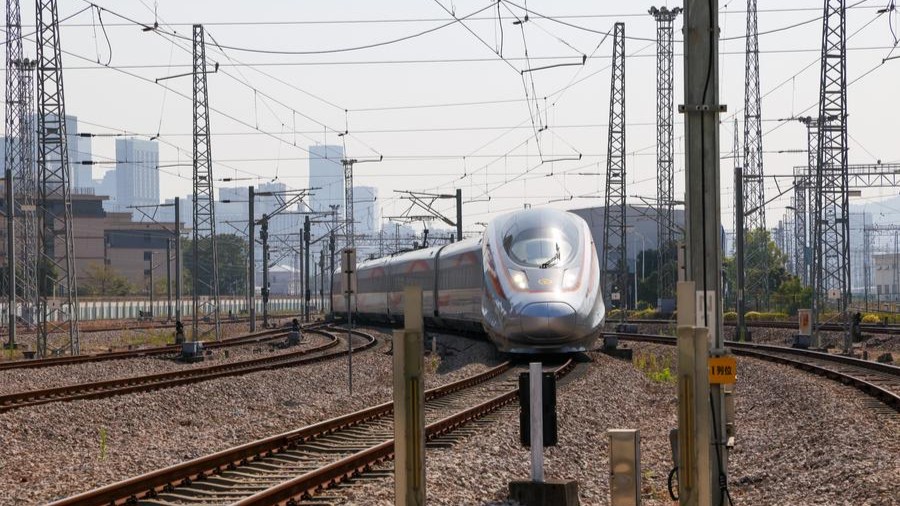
(531, 281)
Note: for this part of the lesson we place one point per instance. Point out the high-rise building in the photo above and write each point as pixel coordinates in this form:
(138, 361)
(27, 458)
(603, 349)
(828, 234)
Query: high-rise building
(366, 209)
(327, 174)
(137, 173)
(79, 150)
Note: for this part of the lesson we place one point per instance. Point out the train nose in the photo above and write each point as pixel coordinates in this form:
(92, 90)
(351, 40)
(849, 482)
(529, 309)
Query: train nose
(548, 320)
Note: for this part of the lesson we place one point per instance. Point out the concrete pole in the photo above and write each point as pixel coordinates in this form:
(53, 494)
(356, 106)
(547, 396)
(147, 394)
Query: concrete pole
(177, 260)
(264, 235)
(307, 292)
(459, 225)
(251, 275)
(169, 280)
(10, 257)
(703, 259)
(739, 253)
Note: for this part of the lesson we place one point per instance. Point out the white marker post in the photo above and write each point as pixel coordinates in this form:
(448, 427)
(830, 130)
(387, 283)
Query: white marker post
(535, 373)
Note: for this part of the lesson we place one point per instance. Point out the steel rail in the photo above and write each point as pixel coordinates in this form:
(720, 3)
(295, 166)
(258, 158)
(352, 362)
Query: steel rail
(143, 352)
(109, 388)
(871, 328)
(150, 484)
(876, 379)
(301, 487)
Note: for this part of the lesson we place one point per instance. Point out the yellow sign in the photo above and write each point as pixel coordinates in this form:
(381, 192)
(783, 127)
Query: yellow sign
(722, 370)
(545, 281)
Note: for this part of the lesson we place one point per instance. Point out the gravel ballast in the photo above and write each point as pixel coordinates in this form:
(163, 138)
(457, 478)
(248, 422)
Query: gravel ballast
(801, 439)
(59, 449)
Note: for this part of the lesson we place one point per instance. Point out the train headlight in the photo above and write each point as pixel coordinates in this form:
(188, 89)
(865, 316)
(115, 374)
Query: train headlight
(570, 279)
(519, 279)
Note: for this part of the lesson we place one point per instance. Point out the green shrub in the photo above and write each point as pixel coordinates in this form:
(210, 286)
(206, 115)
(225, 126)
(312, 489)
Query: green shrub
(752, 316)
(730, 316)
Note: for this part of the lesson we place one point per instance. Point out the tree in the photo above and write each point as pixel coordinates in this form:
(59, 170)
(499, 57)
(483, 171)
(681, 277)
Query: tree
(766, 277)
(103, 280)
(233, 255)
(792, 295)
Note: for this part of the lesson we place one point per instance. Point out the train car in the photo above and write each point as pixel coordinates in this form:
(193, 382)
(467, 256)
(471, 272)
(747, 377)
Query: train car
(543, 283)
(531, 282)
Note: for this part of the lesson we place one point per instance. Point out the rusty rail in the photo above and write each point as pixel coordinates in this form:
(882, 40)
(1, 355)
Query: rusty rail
(108, 388)
(149, 484)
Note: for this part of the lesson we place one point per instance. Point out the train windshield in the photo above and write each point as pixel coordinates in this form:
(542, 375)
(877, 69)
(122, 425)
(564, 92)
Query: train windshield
(539, 244)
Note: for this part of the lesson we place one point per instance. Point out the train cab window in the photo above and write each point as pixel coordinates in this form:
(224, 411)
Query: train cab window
(540, 244)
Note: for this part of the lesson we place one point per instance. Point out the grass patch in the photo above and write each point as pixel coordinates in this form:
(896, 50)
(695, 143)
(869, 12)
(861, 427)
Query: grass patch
(656, 367)
(151, 337)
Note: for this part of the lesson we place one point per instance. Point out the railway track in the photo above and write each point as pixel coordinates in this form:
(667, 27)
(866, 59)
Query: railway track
(292, 466)
(172, 349)
(865, 328)
(878, 380)
(110, 388)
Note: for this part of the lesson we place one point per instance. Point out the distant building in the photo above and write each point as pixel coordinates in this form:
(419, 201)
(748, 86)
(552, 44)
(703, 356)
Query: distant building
(137, 173)
(78, 149)
(327, 174)
(366, 209)
(107, 186)
(886, 277)
(112, 239)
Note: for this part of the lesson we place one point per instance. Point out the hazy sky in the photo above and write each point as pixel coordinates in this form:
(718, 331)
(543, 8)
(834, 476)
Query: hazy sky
(268, 108)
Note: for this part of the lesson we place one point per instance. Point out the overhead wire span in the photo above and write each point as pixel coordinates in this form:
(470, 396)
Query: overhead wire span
(311, 52)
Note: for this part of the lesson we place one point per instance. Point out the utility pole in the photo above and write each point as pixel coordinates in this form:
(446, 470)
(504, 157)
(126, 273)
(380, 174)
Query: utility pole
(178, 288)
(264, 237)
(703, 255)
(251, 275)
(831, 262)
(739, 254)
(322, 279)
(58, 306)
(307, 292)
(665, 155)
(331, 274)
(10, 258)
(459, 223)
(206, 276)
(615, 264)
(169, 280)
(754, 190)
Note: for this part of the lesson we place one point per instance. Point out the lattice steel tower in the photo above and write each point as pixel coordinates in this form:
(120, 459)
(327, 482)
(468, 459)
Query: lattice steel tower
(831, 262)
(754, 187)
(206, 276)
(58, 311)
(665, 155)
(19, 156)
(801, 210)
(27, 246)
(615, 262)
(348, 201)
